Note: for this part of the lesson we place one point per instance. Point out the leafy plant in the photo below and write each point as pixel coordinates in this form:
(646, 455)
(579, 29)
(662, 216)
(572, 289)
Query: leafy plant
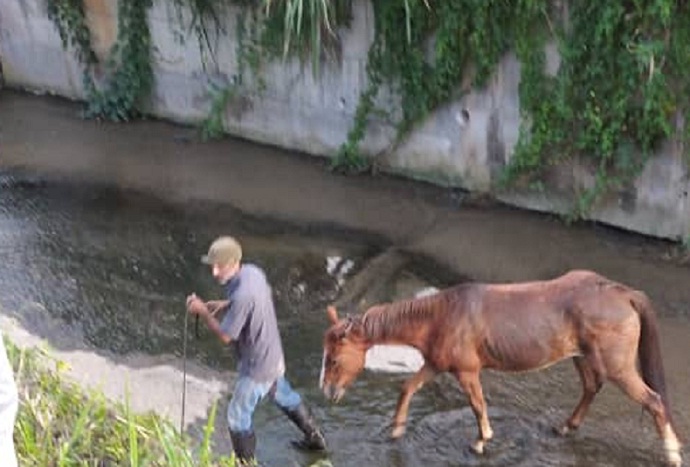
(128, 73)
(130, 76)
(445, 42)
(213, 126)
(306, 28)
(60, 424)
(69, 17)
(616, 95)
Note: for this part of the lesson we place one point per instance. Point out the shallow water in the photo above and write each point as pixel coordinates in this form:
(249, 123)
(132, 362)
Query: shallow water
(91, 263)
(113, 268)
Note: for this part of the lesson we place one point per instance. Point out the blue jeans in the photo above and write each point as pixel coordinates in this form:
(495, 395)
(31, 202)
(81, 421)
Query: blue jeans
(248, 393)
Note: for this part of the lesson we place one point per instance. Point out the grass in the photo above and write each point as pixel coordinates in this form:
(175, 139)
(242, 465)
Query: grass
(60, 424)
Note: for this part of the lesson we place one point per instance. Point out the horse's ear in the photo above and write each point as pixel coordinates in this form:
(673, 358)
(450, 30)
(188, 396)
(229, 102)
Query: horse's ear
(332, 314)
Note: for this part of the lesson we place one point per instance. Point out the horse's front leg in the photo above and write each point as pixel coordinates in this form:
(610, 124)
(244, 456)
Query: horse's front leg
(469, 381)
(412, 385)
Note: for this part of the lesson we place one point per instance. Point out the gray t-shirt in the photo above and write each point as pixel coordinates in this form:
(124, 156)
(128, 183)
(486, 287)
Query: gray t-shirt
(251, 324)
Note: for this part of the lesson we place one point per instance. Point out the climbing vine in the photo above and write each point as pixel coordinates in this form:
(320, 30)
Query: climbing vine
(615, 97)
(444, 43)
(68, 16)
(128, 75)
(618, 93)
(265, 30)
(619, 89)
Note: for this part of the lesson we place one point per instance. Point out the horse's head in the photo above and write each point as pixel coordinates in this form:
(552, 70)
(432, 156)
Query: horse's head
(344, 352)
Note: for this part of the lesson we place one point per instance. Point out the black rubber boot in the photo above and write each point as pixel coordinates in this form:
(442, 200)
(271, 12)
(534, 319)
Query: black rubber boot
(313, 439)
(244, 445)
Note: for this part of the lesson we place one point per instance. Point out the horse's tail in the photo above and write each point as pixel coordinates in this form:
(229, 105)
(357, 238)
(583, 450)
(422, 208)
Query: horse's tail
(649, 350)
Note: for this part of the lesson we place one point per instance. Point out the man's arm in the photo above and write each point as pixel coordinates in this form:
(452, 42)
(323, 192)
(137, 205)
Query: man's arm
(216, 306)
(197, 307)
(214, 326)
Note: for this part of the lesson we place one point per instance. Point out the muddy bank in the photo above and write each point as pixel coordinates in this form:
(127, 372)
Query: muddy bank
(46, 136)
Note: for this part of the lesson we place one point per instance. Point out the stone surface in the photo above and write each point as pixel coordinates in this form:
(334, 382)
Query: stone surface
(464, 144)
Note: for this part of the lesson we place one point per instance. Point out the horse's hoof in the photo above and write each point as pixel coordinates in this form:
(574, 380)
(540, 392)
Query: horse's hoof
(398, 431)
(563, 430)
(477, 447)
(674, 459)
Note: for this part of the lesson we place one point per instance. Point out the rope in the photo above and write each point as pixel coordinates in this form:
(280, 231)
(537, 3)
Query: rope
(184, 369)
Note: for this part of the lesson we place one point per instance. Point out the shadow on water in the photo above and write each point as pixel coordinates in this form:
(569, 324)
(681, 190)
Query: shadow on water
(92, 267)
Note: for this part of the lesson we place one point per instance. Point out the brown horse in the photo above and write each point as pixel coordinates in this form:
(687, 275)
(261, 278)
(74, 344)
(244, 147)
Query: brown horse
(604, 326)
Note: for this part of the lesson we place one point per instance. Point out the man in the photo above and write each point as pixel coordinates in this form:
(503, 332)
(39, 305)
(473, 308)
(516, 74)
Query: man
(250, 324)
(8, 409)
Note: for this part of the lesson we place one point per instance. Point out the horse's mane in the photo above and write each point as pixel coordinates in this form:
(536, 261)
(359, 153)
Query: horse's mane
(381, 321)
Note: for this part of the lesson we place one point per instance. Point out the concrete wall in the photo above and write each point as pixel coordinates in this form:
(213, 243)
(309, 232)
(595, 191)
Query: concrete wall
(464, 144)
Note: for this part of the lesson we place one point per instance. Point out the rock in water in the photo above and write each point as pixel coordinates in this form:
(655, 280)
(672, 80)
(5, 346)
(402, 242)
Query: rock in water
(397, 358)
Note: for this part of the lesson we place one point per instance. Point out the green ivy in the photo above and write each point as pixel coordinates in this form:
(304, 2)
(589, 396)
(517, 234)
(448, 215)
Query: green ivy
(444, 42)
(614, 98)
(68, 16)
(206, 21)
(130, 76)
(265, 30)
(616, 95)
(128, 73)
(213, 126)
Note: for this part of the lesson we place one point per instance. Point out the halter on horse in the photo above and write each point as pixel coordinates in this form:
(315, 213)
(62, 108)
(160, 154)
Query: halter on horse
(604, 326)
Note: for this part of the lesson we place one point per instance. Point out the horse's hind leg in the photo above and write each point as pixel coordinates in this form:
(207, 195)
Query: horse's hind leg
(411, 386)
(591, 384)
(632, 384)
(473, 388)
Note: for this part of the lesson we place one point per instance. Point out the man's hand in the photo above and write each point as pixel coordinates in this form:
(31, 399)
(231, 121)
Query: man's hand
(216, 306)
(196, 306)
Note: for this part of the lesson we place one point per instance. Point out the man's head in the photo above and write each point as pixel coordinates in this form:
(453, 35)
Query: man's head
(224, 256)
